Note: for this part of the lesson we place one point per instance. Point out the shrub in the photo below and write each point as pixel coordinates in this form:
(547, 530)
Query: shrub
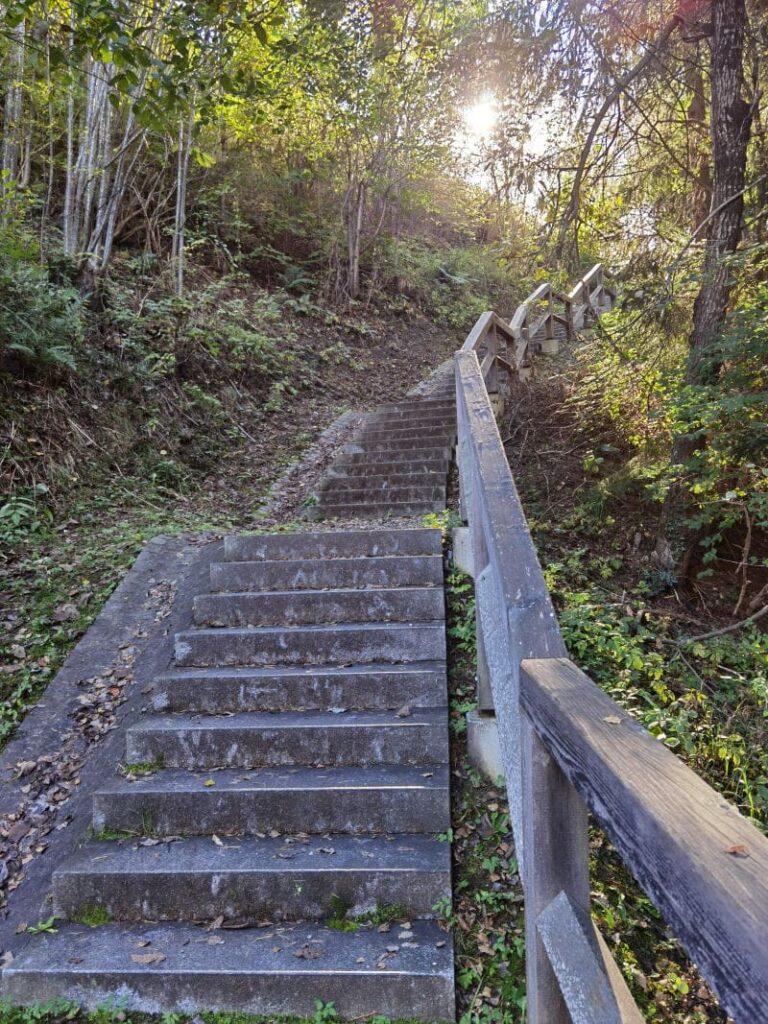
(41, 322)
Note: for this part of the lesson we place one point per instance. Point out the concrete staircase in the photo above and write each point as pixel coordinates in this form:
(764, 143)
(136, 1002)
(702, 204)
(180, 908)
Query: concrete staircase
(398, 462)
(271, 840)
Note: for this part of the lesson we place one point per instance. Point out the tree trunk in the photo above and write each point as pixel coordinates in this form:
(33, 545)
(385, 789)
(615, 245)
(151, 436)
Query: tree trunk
(355, 211)
(730, 123)
(698, 153)
(14, 100)
(180, 218)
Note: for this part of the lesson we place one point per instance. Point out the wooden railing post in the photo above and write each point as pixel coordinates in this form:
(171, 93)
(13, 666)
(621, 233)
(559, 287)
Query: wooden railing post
(555, 860)
(492, 380)
(569, 332)
(463, 458)
(524, 372)
(550, 344)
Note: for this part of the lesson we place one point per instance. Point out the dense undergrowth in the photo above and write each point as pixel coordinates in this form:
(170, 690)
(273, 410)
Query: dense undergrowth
(671, 654)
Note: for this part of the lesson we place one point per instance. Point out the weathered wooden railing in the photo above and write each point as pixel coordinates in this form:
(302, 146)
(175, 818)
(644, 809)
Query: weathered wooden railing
(530, 322)
(591, 297)
(537, 325)
(567, 749)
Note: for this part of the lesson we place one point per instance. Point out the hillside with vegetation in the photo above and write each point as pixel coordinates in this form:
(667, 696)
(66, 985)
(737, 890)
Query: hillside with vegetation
(222, 225)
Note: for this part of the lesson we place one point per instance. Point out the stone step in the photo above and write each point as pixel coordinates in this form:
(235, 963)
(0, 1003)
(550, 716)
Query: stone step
(446, 435)
(343, 510)
(301, 689)
(417, 418)
(340, 544)
(440, 403)
(359, 643)
(437, 448)
(265, 971)
(430, 414)
(401, 492)
(375, 467)
(249, 880)
(313, 607)
(293, 738)
(319, 574)
(379, 483)
(399, 799)
(392, 455)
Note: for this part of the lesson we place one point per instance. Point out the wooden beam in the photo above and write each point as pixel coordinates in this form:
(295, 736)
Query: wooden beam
(592, 985)
(512, 596)
(703, 864)
(555, 858)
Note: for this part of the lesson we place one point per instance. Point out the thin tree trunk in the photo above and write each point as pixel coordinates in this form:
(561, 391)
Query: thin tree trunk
(14, 102)
(180, 219)
(698, 150)
(730, 125)
(45, 213)
(68, 217)
(355, 212)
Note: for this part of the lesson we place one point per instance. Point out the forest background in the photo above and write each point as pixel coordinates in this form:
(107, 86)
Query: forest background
(223, 223)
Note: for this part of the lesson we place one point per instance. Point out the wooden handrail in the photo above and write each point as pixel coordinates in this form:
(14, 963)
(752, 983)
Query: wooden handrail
(567, 747)
(703, 864)
(512, 345)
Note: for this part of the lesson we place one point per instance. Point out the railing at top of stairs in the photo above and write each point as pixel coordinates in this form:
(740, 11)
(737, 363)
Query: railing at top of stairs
(568, 749)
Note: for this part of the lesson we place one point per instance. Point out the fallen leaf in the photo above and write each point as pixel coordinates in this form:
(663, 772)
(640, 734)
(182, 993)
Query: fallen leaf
(209, 783)
(405, 711)
(309, 952)
(612, 720)
(738, 851)
(148, 958)
(216, 840)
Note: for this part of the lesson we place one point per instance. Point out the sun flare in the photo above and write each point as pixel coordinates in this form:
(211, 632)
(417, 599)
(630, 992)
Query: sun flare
(480, 117)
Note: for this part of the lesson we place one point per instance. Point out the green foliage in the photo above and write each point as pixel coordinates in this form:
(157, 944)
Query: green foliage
(338, 919)
(461, 613)
(705, 699)
(167, 333)
(92, 915)
(42, 323)
(23, 515)
(727, 419)
(57, 1010)
(385, 913)
(43, 926)
(325, 1013)
(453, 285)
